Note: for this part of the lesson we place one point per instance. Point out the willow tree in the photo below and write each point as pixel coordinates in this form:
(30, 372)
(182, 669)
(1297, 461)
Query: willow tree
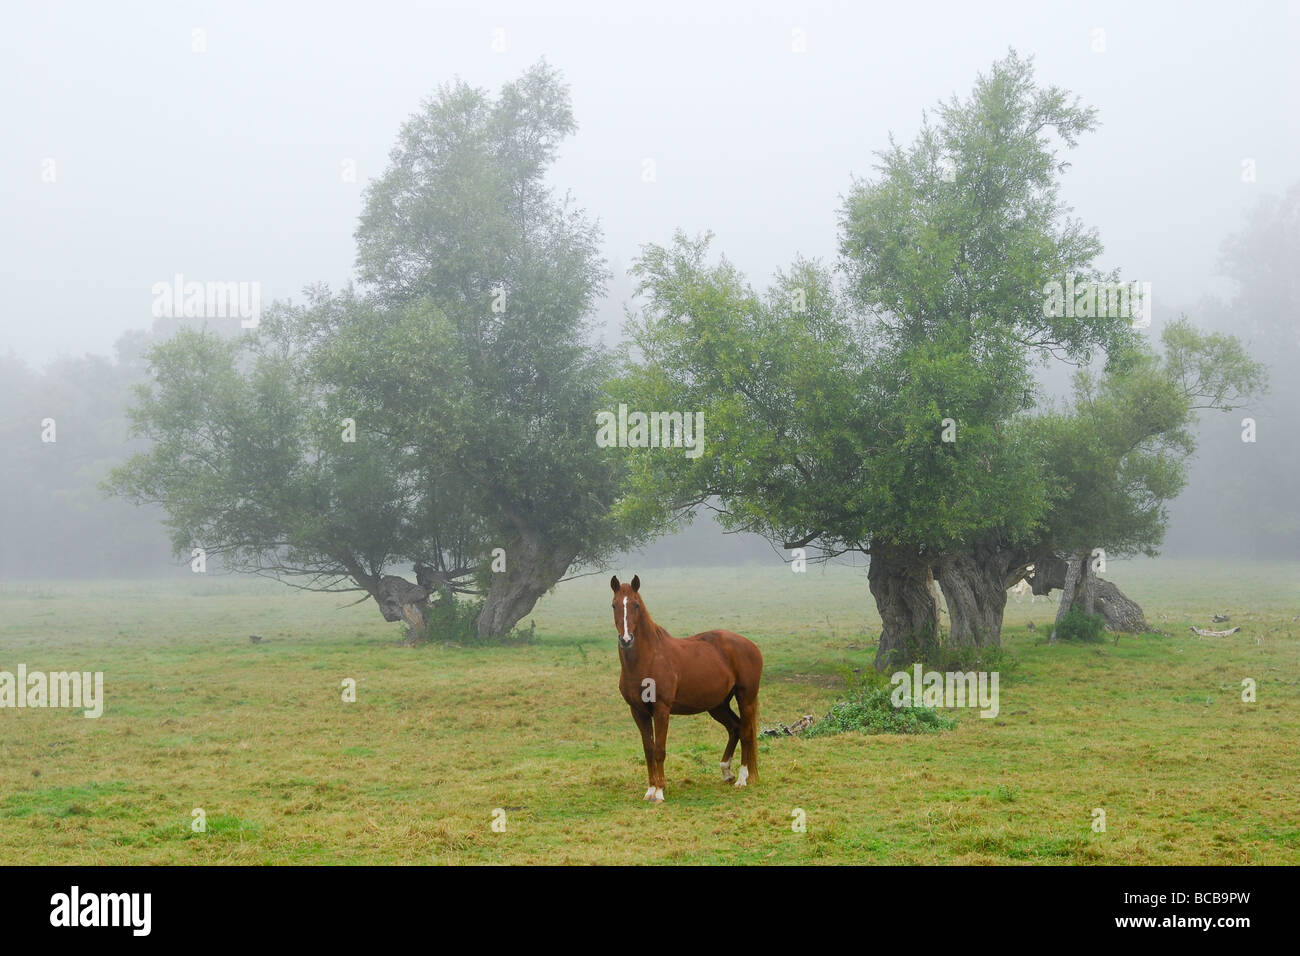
(774, 379)
(820, 436)
(957, 245)
(257, 466)
(464, 368)
(1118, 455)
(882, 422)
(463, 226)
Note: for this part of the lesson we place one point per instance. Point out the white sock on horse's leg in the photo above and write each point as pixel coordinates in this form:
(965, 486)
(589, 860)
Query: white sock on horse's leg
(727, 775)
(649, 794)
(659, 795)
(744, 776)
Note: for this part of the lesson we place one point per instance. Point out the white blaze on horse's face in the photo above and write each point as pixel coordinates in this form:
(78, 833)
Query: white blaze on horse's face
(626, 637)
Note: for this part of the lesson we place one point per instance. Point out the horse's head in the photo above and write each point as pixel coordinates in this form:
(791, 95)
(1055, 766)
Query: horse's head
(629, 612)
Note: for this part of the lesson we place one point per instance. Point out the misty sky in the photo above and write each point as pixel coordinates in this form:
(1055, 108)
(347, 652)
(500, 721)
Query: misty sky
(227, 164)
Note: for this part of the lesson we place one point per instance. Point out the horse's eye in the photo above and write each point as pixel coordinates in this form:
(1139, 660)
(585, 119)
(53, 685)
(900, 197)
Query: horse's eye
(637, 605)
(614, 606)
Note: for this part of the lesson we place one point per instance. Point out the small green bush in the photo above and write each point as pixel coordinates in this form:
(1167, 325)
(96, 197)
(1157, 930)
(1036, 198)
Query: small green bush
(869, 710)
(453, 620)
(1078, 627)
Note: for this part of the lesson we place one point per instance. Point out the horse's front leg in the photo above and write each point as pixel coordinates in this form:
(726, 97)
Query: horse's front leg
(645, 724)
(662, 710)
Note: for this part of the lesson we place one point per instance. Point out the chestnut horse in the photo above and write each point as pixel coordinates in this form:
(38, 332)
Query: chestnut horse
(665, 675)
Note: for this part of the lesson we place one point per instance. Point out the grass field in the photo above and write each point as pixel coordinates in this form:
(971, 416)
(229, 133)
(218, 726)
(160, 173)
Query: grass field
(1150, 728)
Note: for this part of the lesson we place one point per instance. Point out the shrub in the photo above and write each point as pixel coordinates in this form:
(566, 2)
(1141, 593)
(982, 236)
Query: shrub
(869, 710)
(1081, 628)
(451, 620)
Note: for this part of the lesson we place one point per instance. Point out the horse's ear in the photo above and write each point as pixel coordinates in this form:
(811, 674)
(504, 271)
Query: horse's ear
(613, 583)
(636, 582)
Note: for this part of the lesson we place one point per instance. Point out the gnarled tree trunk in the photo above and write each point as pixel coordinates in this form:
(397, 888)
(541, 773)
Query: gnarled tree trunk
(1121, 612)
(398, 600)
(903, 586)
(974, 586)
(1087, 593)
(1075, 568)
(532, 569)
(1049, 572)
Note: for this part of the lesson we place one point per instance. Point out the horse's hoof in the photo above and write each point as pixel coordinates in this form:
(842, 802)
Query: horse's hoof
(743, 779)
(658, 795)
(649, 794)
(727, 775)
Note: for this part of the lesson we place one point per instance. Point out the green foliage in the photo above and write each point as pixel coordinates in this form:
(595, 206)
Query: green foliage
(813, 430)
(249, 461)
(467, 369)
(1081, 628)
(1007, 794)
(959, 233)
(453, 619)
(872, 713)
(484, 362)
(1119, 454)
(772, 382)
(450, 620)
(825, 413)
(465, 181)
(868, 709)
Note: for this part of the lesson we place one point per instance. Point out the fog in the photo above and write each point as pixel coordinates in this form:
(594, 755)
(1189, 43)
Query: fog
(231, 142)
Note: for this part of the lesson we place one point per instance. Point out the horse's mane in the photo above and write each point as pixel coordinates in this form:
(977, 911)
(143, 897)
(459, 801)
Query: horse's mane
(651, 622)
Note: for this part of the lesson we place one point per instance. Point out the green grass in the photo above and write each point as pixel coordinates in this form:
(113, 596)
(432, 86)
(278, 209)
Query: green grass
(1149, 728)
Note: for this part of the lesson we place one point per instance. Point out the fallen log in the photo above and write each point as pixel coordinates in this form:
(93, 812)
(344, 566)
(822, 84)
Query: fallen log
(784, 730)
(1206, 632)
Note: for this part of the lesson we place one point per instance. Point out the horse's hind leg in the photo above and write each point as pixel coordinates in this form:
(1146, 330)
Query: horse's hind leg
(724, 715)
(747, 701)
